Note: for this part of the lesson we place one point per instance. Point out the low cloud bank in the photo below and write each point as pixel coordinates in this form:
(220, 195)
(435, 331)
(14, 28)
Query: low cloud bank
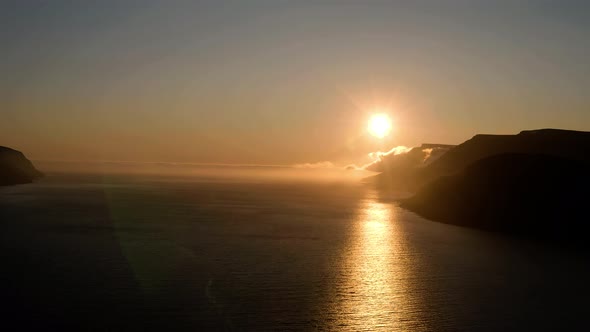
(378, 156)
(194, 172)
(320, 164)
(403, 157)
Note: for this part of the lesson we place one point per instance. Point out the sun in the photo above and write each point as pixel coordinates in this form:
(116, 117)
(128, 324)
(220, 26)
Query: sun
(379, 125)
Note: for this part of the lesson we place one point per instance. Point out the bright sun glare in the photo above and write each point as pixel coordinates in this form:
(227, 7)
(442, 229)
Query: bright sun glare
(379, 125)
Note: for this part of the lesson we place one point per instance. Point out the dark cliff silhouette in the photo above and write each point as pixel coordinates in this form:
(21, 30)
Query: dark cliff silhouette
(567, 144)
(527, 194)
(15, 168)
(533, 184)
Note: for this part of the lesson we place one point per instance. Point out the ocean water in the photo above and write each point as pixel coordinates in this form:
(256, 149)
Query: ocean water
(108, 252)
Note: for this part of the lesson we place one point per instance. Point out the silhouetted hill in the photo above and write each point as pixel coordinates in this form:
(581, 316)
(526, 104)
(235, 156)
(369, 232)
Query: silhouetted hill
(574, 145)
(569, 144)
(15, 168)
(529, 194)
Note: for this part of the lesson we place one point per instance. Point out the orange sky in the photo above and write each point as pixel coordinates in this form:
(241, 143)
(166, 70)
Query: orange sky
(283, 83)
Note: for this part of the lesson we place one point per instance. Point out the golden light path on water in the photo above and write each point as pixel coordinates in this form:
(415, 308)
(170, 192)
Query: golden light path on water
(375, 293)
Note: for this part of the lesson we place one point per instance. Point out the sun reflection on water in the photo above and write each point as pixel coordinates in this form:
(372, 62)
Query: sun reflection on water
(373, 294)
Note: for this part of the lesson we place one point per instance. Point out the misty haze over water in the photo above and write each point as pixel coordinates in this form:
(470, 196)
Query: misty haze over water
(151, 252)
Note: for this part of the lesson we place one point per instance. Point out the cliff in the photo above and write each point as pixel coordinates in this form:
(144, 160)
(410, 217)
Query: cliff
(574, 145)
(533, 195)
(15, 168)
(411, 176)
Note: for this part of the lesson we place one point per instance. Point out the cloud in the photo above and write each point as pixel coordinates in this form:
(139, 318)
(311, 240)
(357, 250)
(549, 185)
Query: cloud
(397, 157)
(432, 154)
(320, 164)
(354, 167)
(377, 156)
(403, 157)
(427, 154)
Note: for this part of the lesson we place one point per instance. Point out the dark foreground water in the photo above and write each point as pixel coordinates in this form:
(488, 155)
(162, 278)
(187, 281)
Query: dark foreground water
(115, 253)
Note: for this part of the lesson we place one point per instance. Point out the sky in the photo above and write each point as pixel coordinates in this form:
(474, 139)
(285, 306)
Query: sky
(283, 82)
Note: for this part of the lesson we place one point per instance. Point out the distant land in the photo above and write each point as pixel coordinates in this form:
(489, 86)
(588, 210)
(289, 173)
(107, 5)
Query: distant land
(396, 175)
(15, 168)
(534, 183)
(532, 195)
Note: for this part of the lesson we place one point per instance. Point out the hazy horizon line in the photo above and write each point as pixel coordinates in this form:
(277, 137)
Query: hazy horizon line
(317, 165)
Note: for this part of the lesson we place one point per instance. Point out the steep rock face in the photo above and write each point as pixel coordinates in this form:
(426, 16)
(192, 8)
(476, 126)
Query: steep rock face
(15, 168)
(574, 145)
(528, 194)
(569, 144)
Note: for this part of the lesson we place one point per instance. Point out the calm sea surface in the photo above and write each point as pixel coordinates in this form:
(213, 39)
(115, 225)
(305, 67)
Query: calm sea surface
(154, 253)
